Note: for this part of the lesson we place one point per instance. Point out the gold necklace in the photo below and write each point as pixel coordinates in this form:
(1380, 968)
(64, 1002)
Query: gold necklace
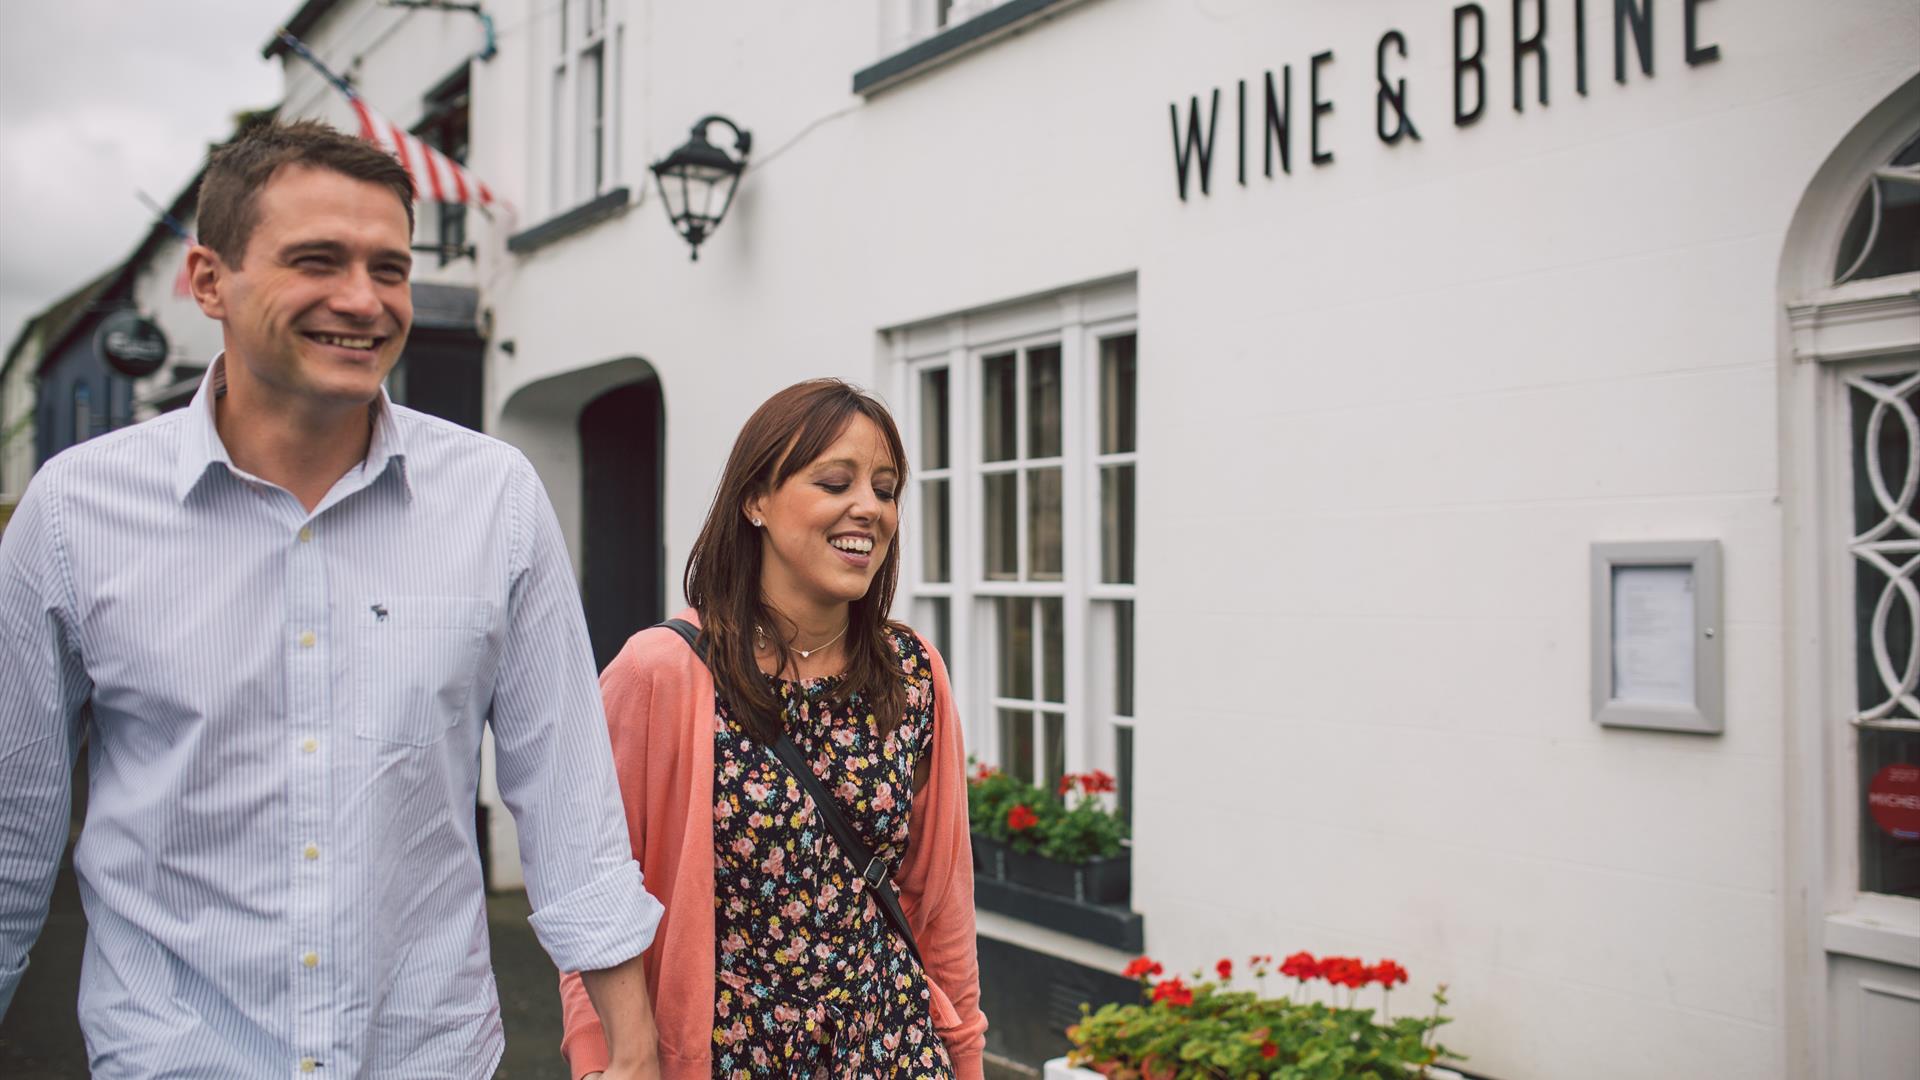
(806, 653)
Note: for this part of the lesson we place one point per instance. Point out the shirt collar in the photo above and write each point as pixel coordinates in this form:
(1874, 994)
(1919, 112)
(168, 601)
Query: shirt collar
(201, 447)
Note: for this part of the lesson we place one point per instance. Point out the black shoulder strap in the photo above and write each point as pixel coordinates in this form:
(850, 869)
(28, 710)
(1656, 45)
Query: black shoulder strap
(873, 869)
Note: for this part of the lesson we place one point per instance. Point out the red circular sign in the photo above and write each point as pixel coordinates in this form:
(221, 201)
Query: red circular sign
(1894, 800)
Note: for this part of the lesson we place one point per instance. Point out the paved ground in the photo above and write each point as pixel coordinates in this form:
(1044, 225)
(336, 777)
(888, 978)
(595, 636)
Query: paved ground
(40, 1039)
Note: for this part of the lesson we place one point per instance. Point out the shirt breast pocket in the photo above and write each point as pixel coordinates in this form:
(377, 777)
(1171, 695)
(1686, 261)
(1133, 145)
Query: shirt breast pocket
(416, 660)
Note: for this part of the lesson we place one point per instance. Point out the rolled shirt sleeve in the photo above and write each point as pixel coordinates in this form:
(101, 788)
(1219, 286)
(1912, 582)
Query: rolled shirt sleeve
(591, 909)
(43, 693)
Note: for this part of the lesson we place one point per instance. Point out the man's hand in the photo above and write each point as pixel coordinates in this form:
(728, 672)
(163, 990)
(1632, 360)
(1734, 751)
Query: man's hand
(649, 1071)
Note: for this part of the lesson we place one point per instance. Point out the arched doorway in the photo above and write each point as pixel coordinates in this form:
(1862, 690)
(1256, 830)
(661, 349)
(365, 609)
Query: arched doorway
(1850, 413)
(622, 554)
(596, 436)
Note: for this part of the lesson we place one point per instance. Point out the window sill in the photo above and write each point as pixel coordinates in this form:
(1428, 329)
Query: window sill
(578, 219)
(1005, 19)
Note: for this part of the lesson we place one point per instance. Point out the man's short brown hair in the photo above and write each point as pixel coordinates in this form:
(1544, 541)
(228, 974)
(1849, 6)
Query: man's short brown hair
(237, 173)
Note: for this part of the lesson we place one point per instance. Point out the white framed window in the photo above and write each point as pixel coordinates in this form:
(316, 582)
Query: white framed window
(583, 101)
(907, 21)
(1018, 556)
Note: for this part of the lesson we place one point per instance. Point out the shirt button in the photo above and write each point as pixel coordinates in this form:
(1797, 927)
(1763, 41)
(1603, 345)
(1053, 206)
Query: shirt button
(307, 1065)
(307, 639)
(306, 534)
(309, 744)
(312, 851)
(311, 959)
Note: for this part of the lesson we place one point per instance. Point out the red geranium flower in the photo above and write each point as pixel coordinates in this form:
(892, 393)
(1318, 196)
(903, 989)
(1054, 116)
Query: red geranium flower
(1345, 971)
(1387, 973)
(1267, 1049)
(1225, 968)
(1067, 783)
(1173, 992)
(1302, 966)
(1141, 968)
(1021, 818)
(1097, 782)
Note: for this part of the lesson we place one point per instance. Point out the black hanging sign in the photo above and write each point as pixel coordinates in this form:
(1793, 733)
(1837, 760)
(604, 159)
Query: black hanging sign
(132, 343)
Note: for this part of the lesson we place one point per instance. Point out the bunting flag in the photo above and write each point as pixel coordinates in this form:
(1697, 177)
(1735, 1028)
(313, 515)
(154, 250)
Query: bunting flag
(435, 175)
(183, 281)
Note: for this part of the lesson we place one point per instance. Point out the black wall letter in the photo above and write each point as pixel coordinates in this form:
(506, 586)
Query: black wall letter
(1580, 46)
(1462, 63)
(1320, 107)
(1697, 54)
(1640, 14)
(1279, 118)
(1391, 96)
(1243, 133)
(1536, 45)
(1195, 145)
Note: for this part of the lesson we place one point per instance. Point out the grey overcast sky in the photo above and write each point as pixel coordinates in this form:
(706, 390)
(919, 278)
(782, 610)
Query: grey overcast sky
(98, 99)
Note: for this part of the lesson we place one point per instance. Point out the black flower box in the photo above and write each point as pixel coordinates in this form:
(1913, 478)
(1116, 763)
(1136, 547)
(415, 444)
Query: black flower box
(1096, 881)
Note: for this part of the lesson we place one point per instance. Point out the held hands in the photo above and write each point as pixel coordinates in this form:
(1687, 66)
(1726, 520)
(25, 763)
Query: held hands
(648, 1071)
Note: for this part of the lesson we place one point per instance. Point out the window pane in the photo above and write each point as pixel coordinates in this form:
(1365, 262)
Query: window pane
(1123, 771)
(1053, 650)
(1001, 526)
(933, 419)
(1123, 657)
(1887, 217)
(1043, 525)
(1016, 744)
(1879, 514)
(1889, 862)
(997, 408)
(1043, 402)
(592, 99)
(82, 412)
(934, 618)
(1116, 524)
(1056, 750)
(1116, 394)
(558, 127)
(936, 542)
(1015, 618)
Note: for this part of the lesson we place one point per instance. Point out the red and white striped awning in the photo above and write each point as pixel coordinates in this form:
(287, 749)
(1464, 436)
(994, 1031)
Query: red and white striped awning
(435, 175)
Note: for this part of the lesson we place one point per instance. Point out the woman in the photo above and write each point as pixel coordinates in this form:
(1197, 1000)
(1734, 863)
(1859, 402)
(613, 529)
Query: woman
(773, 959)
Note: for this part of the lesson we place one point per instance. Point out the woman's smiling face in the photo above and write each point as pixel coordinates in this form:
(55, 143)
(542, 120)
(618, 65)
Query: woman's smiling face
(830, 526)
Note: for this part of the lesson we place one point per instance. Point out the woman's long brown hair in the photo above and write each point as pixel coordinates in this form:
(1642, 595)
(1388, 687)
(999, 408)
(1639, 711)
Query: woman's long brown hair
(722, 582)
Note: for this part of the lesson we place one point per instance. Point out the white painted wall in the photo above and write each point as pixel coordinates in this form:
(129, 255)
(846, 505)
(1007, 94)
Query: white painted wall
(1388, 405)
(192, 338)
(16, 448)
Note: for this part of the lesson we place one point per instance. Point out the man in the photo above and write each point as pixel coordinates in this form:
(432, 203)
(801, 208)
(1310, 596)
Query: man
(282, 617)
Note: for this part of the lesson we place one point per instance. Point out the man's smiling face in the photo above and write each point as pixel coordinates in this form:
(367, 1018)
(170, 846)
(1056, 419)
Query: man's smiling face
(319, 306)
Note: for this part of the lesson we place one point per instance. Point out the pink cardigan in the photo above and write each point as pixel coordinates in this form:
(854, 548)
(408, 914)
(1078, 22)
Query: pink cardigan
(659, 700)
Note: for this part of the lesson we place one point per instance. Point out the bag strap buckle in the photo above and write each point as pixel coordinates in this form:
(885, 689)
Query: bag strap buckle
(875, 873)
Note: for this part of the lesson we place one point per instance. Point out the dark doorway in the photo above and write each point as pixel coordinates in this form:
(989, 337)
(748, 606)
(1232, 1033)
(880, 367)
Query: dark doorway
(622, 549)
(440, 374)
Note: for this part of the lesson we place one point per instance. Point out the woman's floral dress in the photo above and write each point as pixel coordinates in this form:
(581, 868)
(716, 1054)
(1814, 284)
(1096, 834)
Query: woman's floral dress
(811, 979)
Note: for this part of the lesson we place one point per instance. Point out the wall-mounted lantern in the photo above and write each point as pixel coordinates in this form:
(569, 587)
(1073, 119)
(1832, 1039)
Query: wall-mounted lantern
(697, 173)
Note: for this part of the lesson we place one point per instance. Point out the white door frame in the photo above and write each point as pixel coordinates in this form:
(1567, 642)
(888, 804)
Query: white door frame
(1821, 328)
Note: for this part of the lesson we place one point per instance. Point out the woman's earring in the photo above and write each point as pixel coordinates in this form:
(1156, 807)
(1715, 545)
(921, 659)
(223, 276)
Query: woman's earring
(756, 523)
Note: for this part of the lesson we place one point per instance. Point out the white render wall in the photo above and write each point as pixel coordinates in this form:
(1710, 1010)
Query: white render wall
(392, 56)
(1388, 404)
(192, 338)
